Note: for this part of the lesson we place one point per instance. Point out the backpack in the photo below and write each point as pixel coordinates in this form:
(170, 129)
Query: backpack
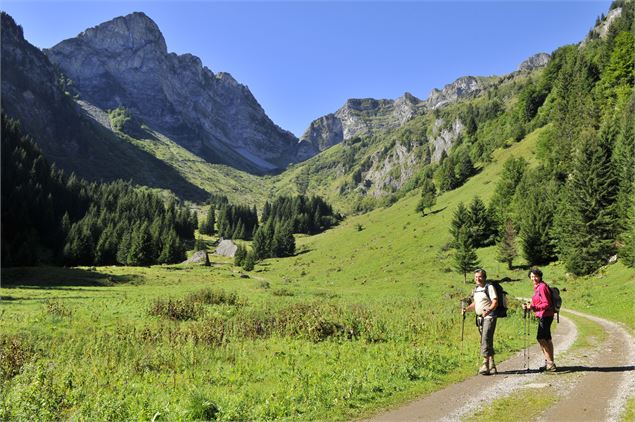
(501, 309)
(556, 301)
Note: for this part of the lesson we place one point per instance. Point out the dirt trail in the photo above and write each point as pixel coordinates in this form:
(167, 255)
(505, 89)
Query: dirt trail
(594, 390)
(600, 382)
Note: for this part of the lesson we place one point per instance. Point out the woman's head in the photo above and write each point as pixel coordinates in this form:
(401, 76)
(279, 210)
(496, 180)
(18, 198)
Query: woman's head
(535, 274)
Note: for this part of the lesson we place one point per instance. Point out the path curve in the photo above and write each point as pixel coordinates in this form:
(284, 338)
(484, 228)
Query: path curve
(459, 401)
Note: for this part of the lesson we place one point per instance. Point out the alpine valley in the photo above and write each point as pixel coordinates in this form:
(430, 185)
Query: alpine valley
(170, 253)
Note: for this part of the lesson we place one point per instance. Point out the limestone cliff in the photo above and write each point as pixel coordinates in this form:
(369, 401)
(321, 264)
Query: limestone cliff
(125, 62)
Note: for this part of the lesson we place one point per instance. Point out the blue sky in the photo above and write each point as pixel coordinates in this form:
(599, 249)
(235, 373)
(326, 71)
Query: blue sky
(302, 60)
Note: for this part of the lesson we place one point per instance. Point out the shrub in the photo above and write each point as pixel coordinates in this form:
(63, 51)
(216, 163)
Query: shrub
(175, 309)
(14, 354)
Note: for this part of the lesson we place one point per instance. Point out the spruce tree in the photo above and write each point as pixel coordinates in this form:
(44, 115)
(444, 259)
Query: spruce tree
(249, 262)
(535, 204)
(506, 250)
(140, 252)
(480, 223)
(260, 243)
(585, 222)
(239, 256)
(124, 248)
(428, 196)
(465, 258)
(460, 220)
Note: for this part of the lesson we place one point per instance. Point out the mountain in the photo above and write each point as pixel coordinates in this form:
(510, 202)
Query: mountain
(70, 135)
(124, 63)
(358, 117)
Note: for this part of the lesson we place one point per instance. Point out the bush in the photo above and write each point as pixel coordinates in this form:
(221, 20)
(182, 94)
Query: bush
(178, 310)
(14, 354)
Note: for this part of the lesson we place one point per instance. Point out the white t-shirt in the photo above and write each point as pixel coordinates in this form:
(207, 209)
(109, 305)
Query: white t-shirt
(481, 301)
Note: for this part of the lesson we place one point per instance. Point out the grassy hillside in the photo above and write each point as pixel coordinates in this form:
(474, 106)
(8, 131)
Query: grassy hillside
(364, 316)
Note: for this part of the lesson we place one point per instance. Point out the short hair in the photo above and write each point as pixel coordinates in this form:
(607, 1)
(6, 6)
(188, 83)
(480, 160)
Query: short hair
(535, 271)
(482, 272)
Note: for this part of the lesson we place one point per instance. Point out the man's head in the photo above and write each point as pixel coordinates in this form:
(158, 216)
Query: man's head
(480, 276)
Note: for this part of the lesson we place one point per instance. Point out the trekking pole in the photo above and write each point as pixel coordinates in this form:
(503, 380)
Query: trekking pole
(525, 351)
(462, 323)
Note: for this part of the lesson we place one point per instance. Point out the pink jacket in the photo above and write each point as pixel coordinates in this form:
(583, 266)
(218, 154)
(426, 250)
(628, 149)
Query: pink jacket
(541, 301)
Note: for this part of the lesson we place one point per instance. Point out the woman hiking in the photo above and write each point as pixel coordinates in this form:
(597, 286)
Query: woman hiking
(542, 306)
(483, 304)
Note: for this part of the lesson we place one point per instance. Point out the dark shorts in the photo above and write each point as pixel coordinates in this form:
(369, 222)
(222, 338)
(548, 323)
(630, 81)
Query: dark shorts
(544, 328)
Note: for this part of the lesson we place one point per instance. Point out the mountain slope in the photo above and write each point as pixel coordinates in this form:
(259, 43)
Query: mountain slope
(34, 94)
(125, 62)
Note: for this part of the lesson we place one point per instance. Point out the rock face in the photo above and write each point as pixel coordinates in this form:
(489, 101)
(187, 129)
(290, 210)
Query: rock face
(461, 88)
(534, 62)
(358, 117)
(125, 62)
(74, 134)
(445, 137)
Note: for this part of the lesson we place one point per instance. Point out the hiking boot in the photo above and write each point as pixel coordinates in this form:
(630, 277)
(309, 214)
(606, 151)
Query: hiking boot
(551, 367)
(484, 369)
(492, 366)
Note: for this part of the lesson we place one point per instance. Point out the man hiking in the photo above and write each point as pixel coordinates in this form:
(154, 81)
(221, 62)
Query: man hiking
(484, 302)
(542, 306)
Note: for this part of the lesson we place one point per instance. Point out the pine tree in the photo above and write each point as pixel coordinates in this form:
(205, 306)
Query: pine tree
(124, 248)
(480, 224)
(140, 252)
(506, 250)
(260, 243)
(465, 258)
(428, 196)
(249, 262)
(585, 222)
(460, 220)
(535, 209)
(239, 256)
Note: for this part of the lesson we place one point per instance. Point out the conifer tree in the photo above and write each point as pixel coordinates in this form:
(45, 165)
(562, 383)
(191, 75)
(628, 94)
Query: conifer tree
(480, 224)
(506, 250)
(249, 262)
(585, 222)
(239, 256)
(465, 258)
(460, 220)
(428, 196)
(124, 248)
(140, 252)
(260, 243)
(535, 209)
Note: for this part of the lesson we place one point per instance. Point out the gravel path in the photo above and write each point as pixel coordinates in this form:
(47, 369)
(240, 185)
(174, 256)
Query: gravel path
(591, 385)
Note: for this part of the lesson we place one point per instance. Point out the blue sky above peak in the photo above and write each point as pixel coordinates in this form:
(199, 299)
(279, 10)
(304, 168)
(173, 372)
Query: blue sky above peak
(302, 60)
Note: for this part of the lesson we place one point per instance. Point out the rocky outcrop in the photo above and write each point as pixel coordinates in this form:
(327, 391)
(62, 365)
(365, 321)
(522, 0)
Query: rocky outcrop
(358, 117)
(389, 172)
(73, 134)
(226, 248)
(534, 62)
(461, 88)
(125, 62)
(444, 137)
(602, 27)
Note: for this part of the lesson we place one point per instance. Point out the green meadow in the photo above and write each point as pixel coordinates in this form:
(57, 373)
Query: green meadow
(364, 316)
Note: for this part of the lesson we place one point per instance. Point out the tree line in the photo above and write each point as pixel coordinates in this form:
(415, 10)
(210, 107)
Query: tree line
(577, 204)
(49, 217)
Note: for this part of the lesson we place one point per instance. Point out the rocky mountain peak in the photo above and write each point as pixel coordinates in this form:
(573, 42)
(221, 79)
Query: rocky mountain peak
(460, 88)
(124, 63)
(534, 62)
(131, 32)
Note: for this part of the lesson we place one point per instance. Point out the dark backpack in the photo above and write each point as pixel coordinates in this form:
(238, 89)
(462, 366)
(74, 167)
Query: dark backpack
(501, 309)
(556, 301)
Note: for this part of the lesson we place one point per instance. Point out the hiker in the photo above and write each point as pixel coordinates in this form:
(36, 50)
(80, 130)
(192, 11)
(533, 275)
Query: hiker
(483, 304)
(541, 305)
